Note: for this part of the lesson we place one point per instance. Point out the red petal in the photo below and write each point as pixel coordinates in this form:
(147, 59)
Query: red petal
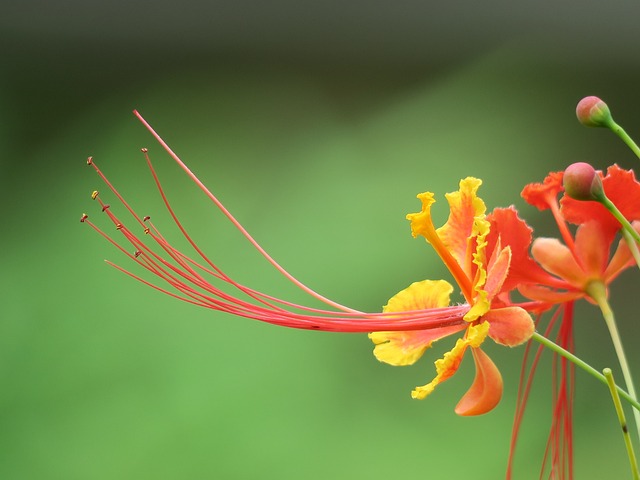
(507, 229)
(486, 391)
(540, 195)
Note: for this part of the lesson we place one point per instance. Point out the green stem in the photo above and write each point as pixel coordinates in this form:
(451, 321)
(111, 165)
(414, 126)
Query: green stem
(598, 292)
(619, 131)
(633, 246)
(583, 365)
(628, 228)
(623, 422)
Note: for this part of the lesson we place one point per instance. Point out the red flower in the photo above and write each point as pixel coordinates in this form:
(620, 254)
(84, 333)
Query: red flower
(585, 258)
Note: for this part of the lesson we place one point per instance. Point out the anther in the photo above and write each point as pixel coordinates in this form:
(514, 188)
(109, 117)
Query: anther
(146, 231)
(105, 206)
(94, 194)
(144, 150)
(137, 253)
(89, 160)
(119, 226)
(146, 219)
(83, 217)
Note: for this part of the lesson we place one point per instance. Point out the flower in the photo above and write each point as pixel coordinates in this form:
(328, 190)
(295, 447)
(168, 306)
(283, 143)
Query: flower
(478, 257)
(481, 275)
(584, 259)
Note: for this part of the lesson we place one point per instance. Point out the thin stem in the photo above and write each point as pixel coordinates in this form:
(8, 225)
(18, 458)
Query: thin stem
(627, 227)
(619, 131)
(623, 422)
(584, 366)
(633, 245)
(597, 291)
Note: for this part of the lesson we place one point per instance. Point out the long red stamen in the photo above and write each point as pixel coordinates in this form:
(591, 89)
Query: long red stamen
(560, 442)
(524, 389)
(187, 277)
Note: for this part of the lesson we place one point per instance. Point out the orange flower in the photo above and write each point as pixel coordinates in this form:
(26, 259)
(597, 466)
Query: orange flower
(477, 249)
(481, 275)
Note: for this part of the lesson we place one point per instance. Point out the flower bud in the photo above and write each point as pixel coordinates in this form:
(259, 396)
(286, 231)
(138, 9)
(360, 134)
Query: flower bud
(593, 112)
(582, 182)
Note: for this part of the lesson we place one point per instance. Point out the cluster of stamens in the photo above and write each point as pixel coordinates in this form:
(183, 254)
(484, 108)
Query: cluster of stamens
(196, 282)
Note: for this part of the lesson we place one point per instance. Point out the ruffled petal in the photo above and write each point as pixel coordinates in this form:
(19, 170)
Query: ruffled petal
(481, 300)
(406, 347)
(509, 326)
(449, 363)
(465, 207)
(540, 195)
(486, 391)
(557, 259)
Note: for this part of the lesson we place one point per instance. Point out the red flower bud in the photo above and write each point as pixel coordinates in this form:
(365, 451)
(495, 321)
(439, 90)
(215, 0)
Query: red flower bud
(582, 182)
(593, 112)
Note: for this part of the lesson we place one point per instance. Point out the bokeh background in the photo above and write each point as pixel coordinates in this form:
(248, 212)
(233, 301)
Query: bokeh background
(316, 123)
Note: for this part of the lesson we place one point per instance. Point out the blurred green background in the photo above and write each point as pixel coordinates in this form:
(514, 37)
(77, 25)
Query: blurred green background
(316, 123)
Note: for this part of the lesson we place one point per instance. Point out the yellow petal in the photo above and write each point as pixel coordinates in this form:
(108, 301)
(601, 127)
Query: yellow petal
(481, 300)
(406, 347)
(420, 296)
(445, 368)
(422, 224)
(449, 363)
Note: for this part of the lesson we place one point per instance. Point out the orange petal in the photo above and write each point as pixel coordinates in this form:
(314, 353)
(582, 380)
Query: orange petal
(592, 249)
(486, 391)
(556, 258)
(509, 326)
(465, 206)
(544, 294)
(497, 273)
